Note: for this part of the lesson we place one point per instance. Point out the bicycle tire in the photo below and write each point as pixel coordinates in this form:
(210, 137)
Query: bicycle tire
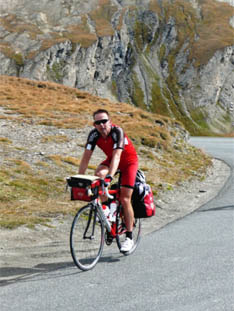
(87, 237)
(120, 234)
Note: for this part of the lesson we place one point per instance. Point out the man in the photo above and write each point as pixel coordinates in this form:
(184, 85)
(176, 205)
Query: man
(121, 155)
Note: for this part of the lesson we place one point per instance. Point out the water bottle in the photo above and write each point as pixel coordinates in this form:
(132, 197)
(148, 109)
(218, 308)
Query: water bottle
(113, 208)
(106, 210)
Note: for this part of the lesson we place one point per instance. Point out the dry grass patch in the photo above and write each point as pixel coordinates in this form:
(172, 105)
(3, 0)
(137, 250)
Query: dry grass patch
(14, 24)
(32, 212)
(55, 139)
(71, 160)
(29, 196)
(57, 159)
(49, 103)
(214, 31)
(172, 166)
(102, 18)
(4, 140)
(81, 33)
(33, 194)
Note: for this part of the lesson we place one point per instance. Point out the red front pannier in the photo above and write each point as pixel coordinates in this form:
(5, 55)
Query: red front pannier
(81, 185)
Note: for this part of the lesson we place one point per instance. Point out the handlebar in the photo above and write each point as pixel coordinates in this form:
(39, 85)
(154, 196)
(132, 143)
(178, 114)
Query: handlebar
(106, 192)
(100, 182)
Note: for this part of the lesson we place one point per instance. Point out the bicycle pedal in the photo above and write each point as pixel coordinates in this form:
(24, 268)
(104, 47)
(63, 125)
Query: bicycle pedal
(108, 238)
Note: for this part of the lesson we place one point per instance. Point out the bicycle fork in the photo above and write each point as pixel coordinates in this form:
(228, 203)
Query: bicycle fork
(91, 236)
(111, 228)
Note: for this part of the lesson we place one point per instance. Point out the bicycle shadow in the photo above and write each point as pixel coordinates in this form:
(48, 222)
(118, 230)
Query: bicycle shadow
(109, 259)
(11, 275)
(219, 208)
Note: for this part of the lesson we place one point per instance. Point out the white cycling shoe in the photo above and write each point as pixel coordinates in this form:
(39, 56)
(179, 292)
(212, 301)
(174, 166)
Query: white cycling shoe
(127, 245)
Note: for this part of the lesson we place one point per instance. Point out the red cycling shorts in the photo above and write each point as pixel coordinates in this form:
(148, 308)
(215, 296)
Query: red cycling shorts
(128, 173)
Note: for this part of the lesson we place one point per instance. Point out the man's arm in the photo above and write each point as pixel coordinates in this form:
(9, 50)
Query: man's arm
(116, 155)
(85, 161)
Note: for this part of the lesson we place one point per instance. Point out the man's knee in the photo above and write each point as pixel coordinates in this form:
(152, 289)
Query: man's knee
(125, 200)
(101, 172)
(126, 194)
(100, 175)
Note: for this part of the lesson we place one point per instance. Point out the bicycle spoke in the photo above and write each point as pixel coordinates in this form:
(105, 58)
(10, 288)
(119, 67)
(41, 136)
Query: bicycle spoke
(86, 238)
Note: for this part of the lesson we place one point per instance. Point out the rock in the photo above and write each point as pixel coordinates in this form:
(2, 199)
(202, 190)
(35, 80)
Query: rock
(140, 59)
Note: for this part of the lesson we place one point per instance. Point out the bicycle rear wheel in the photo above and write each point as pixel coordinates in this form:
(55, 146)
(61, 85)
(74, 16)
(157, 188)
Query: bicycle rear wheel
(86, 237)
(121, 230)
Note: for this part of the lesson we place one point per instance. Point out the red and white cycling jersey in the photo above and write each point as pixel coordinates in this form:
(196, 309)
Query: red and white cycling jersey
(115, 140)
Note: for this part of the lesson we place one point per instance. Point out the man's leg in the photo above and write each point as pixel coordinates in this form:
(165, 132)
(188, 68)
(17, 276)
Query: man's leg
(125, 198)
(127, 184)
(102, 171)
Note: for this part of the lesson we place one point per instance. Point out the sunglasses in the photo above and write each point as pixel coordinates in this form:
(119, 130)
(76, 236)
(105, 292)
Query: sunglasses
(98, 122)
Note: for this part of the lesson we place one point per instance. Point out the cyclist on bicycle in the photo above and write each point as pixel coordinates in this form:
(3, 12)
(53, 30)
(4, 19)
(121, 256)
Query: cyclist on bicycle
(121, 155)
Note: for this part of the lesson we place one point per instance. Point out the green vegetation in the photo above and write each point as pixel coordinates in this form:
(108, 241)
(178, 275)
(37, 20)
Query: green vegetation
(162, 52)
(158, 102)
(141, 35)
(18, 59)
(137, 93)
(55, 72)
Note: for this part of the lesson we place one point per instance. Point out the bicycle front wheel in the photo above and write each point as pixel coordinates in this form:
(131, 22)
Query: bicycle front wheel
(87, 237)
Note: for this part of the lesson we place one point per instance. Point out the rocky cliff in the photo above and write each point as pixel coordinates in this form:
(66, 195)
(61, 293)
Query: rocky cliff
(171, 57)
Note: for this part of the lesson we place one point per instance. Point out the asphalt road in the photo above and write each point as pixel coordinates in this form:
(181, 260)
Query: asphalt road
(186, 266)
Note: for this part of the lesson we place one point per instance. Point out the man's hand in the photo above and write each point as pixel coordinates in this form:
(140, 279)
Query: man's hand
(107, 180)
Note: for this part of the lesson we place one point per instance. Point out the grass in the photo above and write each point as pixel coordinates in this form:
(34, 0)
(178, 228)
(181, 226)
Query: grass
(54, 138)
(4, 140)
(102, 18)
(31, 195)
(47, 103)
(214, 31)
(81, 34)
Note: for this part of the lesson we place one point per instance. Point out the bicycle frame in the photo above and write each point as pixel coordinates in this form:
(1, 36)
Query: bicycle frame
(103, 216)
(110, 228)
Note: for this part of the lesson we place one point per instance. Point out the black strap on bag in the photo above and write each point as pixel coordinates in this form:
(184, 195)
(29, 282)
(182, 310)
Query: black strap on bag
(142, 198)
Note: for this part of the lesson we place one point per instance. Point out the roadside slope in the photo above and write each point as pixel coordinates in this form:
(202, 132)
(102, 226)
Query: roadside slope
(43, 129)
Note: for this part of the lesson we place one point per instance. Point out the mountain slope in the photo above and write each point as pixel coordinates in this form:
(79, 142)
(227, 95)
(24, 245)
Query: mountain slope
(171, 57)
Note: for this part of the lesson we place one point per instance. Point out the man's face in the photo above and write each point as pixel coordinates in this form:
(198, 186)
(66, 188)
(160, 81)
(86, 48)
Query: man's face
(102, 124)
